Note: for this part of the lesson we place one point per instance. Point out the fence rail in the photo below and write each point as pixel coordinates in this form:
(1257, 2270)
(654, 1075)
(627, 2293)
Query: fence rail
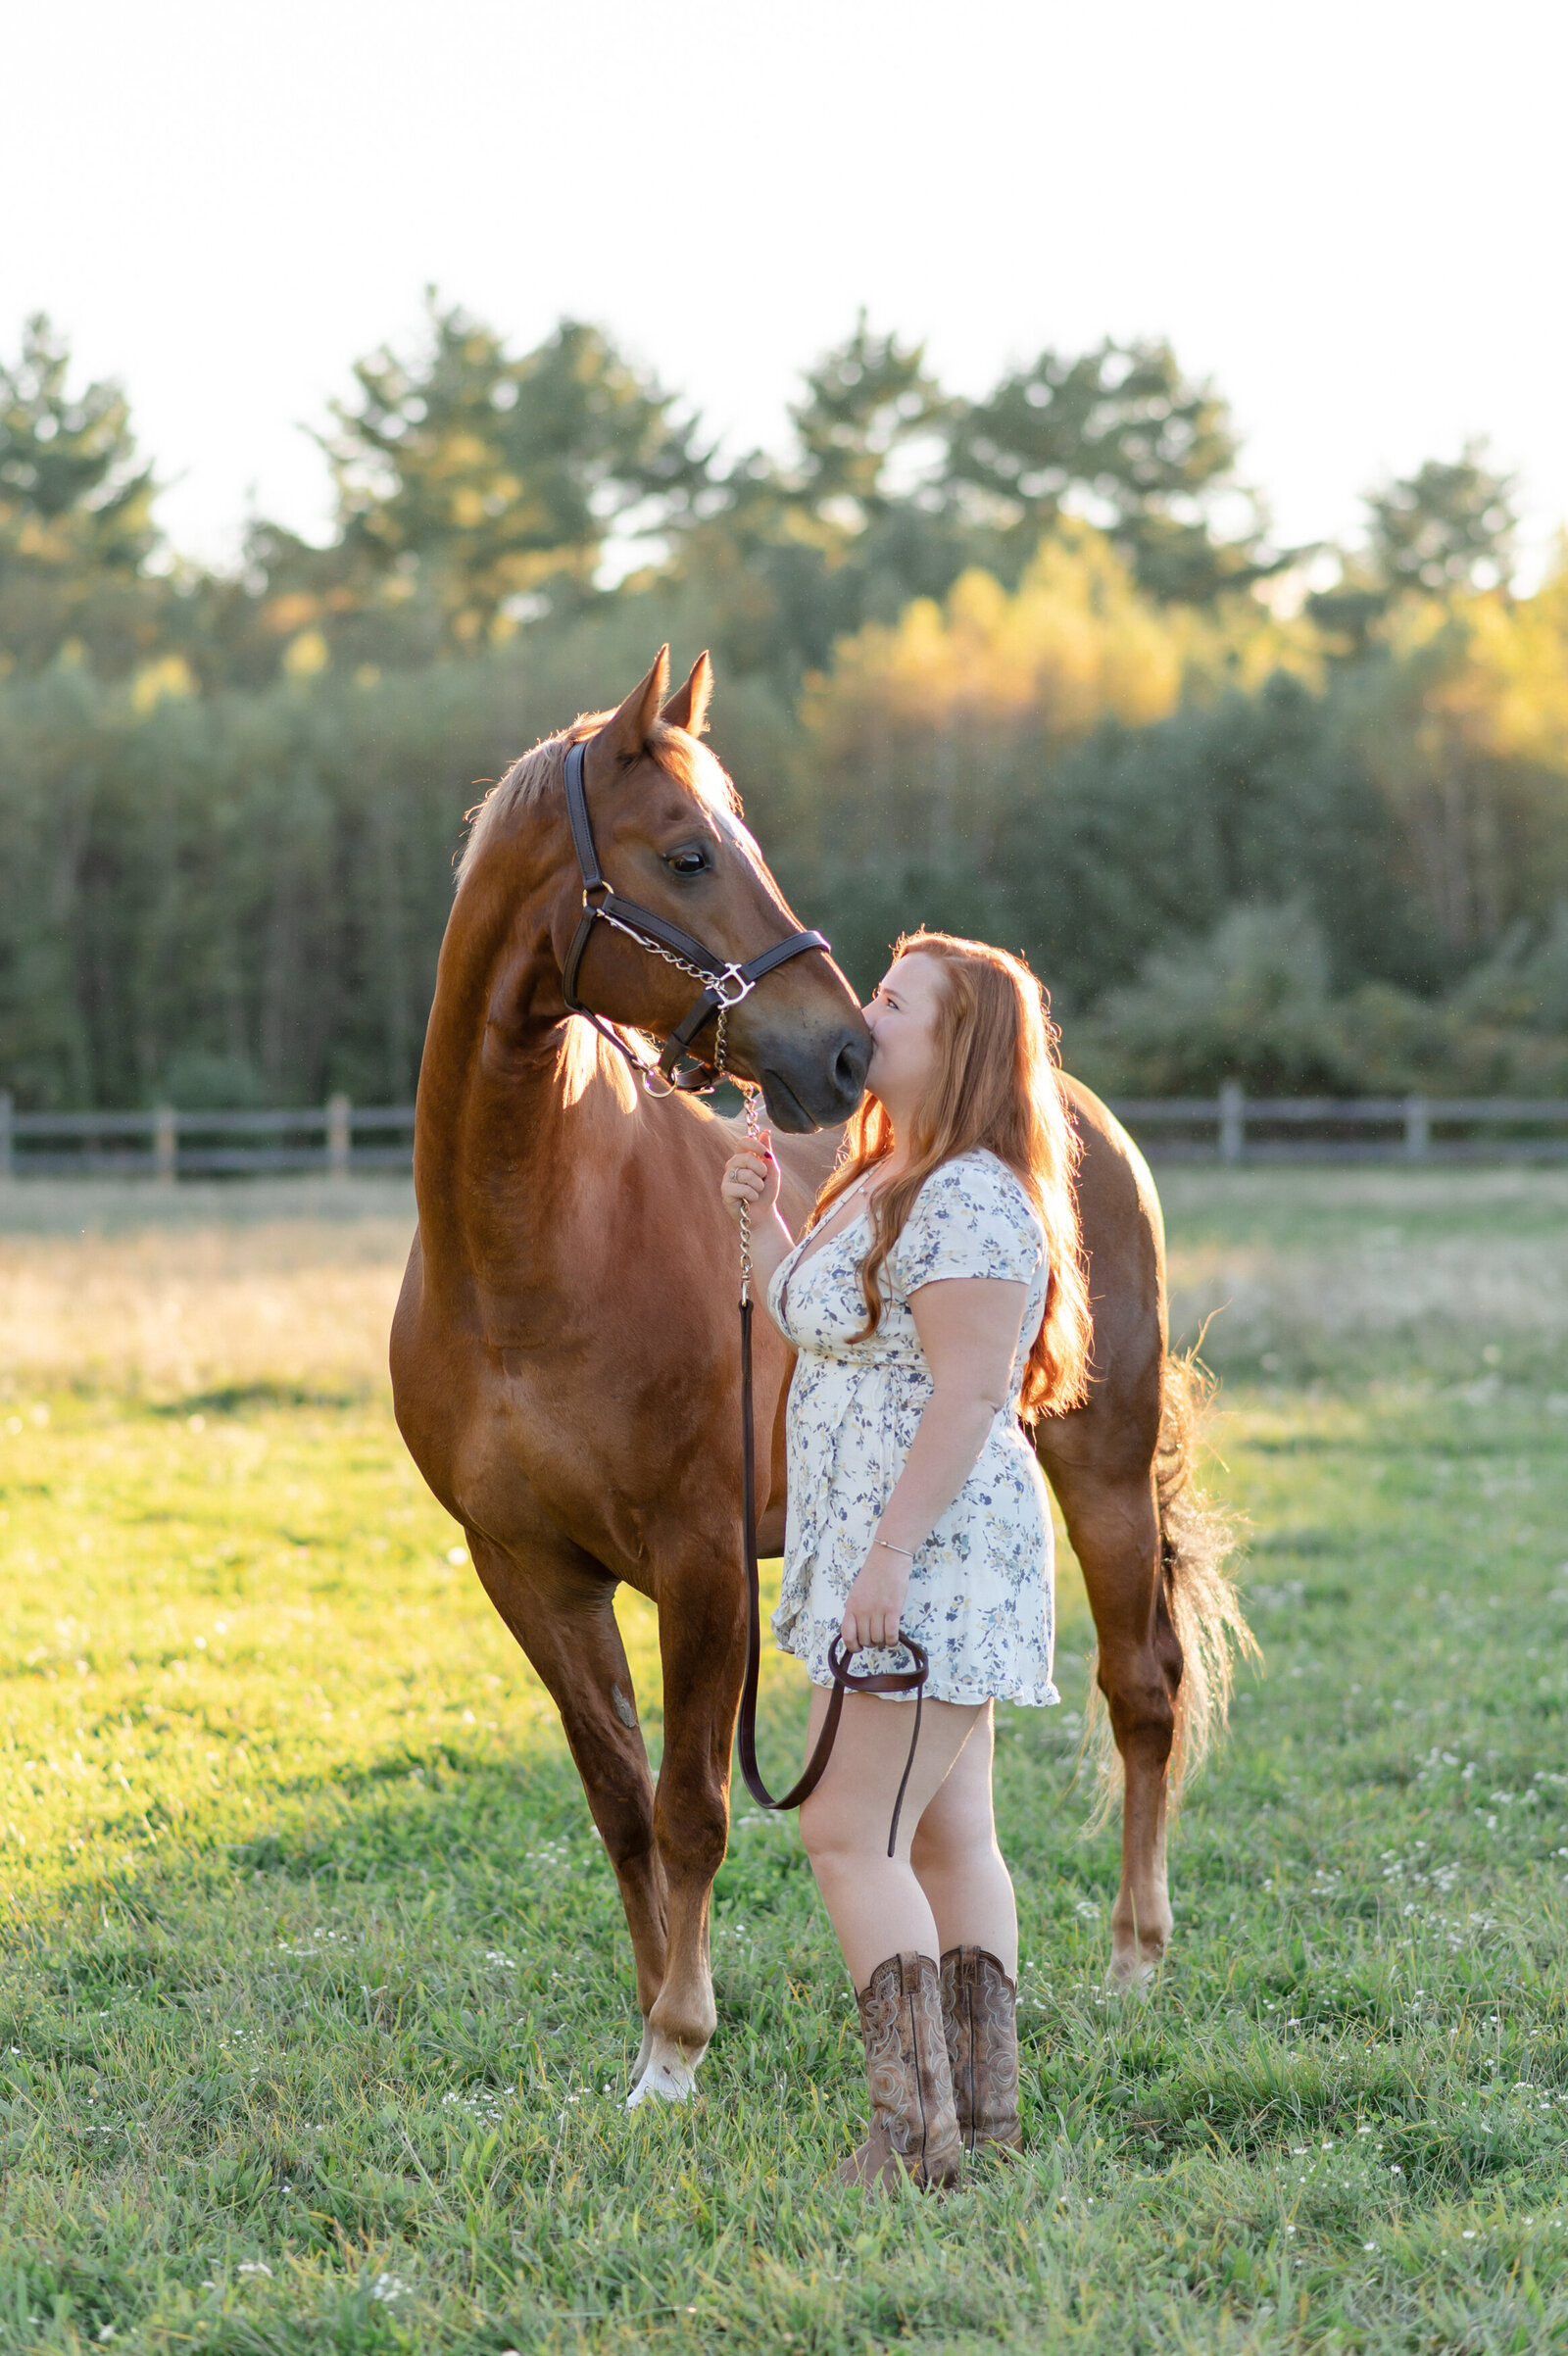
(334, 1137)
(1234, 1127)
(339, 1137)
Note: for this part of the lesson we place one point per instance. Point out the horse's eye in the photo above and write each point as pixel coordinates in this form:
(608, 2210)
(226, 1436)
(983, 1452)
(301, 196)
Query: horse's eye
(688, 863)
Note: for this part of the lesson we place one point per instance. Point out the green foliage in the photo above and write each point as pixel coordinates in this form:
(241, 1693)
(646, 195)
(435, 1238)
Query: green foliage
(863, 402)
(75, 519)
(68, 459)
(1124, 429)
(1446, 526)
(479, 480)
(1252, 1001)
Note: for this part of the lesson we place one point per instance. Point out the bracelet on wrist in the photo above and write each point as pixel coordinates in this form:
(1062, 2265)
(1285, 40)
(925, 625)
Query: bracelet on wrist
(893, 1549)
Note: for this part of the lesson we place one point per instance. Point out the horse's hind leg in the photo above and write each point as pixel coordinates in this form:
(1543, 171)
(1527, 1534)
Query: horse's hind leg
(559, 1606)
(1113, 1521)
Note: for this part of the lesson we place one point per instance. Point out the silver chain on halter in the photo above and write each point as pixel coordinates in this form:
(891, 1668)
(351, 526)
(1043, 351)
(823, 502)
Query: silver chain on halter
(754, 1138)
(729, 987)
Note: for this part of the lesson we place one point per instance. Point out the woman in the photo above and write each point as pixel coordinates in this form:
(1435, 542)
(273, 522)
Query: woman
(936, 1299)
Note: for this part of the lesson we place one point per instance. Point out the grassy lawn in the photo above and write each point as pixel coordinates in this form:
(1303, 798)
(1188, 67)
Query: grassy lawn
(316, 2004)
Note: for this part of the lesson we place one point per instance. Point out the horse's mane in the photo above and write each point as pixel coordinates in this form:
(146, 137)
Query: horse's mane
(539, 775)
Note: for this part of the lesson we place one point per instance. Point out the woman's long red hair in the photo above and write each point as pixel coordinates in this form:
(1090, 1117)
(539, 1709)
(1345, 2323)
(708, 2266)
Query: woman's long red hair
(996, 1086)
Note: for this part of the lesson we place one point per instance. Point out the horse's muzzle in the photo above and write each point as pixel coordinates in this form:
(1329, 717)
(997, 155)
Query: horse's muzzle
(815, 1083)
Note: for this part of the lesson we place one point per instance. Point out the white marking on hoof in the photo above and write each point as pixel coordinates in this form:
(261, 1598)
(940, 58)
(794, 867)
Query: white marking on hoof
(1132, 1976)
(665, 2074)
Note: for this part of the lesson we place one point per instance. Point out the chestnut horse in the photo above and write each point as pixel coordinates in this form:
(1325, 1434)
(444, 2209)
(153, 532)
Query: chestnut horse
(566, 1352)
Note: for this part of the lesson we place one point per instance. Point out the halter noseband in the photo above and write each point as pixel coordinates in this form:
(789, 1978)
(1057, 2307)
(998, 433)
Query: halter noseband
(726, 981)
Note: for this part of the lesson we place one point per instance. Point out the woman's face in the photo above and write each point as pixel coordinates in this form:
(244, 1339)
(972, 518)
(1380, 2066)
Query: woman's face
(902, 1019)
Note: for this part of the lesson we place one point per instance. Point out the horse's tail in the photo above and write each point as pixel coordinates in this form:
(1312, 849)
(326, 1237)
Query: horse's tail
(1196, 1538)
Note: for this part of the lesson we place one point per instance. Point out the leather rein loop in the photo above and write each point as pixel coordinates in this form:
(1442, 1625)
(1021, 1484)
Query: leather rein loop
(725, 982)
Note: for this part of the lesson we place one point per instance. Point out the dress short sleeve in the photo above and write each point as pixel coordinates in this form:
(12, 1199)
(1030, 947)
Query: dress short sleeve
(971, 1218)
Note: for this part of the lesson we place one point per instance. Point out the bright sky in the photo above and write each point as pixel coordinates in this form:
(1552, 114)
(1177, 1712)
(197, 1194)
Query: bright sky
(1350, 215)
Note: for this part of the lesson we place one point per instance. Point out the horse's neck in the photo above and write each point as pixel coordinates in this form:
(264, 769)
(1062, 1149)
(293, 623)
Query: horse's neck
(517, 1108)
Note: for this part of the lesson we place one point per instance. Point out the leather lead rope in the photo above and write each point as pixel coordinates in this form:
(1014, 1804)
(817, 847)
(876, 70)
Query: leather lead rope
(887, 1681)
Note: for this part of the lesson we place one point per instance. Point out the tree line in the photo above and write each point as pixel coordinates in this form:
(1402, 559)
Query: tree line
(1031, 666)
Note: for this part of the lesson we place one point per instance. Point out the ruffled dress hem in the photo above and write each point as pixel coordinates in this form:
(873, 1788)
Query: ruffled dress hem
(810, 1641)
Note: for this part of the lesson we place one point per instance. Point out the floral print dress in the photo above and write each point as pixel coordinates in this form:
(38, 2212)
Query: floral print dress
(980, 1585)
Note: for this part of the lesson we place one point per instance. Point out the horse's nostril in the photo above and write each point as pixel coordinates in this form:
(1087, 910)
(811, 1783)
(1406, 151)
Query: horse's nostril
(848, 1066)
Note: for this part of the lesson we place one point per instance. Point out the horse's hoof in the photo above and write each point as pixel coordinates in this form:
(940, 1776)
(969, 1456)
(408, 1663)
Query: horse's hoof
(667, 2075)
(1133, 1975)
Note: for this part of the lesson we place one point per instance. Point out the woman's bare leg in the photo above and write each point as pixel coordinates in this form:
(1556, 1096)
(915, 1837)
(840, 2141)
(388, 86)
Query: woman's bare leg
(875, 1902)
(957, 1860)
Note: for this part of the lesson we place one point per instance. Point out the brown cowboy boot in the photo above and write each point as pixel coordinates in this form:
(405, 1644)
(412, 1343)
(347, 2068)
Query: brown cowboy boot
(980, 2014)
(913, 2129)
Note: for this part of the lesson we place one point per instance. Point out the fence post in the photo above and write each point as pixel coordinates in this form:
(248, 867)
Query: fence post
(166, 1145)
(6, 1164)
(338, 1129)
(1231, 1121)
(1417, 1128)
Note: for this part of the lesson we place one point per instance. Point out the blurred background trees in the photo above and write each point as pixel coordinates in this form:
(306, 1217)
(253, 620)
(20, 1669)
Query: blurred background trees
(1029, 665)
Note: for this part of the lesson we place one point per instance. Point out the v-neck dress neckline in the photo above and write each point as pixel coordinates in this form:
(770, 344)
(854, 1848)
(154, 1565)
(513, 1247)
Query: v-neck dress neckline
(804, 1256)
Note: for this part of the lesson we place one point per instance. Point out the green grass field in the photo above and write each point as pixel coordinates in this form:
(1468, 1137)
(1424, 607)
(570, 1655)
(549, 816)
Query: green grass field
(315, 2001)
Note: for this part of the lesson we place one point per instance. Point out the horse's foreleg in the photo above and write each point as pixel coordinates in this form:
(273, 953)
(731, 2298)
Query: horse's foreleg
(1114, 1528)
(559, 1606)
(701, 1633)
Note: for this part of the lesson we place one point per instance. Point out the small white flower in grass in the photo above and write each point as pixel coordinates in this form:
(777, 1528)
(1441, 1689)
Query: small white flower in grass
(1369, 2245)
(1467, 2235)
(255, 2266)
(388, 2288)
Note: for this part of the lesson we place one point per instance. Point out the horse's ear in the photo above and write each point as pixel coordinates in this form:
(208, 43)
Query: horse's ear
(688, 708)
(626, 734)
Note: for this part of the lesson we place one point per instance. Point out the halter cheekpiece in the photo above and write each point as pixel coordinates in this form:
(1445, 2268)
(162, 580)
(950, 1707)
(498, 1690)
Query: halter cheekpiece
(726, 981)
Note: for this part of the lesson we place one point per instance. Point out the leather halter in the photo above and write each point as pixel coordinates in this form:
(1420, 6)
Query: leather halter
(726, 981)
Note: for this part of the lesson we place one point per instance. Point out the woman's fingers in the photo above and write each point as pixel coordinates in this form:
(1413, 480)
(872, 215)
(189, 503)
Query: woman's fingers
(745, 1180)
(873, 1629)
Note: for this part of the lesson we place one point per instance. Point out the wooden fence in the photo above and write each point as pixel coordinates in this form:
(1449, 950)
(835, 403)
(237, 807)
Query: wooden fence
(337, 1137)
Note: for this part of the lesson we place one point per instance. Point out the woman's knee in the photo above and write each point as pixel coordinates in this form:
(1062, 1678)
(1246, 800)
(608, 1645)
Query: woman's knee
(935, 1850)
(833, 1833)
(956, 1829)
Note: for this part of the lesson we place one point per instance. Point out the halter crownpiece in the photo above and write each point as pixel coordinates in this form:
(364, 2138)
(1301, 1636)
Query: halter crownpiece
(726, 981)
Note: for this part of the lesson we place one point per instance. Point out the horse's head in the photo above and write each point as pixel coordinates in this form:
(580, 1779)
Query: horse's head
(667, 826)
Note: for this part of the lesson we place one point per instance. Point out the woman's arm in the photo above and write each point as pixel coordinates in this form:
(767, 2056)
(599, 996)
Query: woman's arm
(752, 1178)
(969, 1328)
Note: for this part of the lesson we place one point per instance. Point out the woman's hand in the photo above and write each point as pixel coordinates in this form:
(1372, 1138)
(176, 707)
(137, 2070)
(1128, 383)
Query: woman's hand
(874, 1604)
(751, 1179)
